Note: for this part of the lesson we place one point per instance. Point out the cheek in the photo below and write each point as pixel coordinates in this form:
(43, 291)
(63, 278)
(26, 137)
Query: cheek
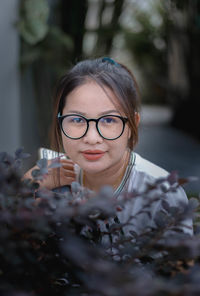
(121, 144)
(126, 135)
(69, 146)
(64, 141)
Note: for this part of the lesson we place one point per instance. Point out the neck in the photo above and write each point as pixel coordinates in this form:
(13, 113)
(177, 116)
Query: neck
(112, 176)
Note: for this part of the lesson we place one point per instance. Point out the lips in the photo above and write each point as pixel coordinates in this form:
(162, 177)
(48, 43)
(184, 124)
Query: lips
(93, 154)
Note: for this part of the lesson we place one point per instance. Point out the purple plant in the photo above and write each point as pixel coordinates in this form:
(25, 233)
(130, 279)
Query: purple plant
(74, 243)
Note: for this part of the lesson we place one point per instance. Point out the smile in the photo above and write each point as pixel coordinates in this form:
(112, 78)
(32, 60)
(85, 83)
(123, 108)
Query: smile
(93, 154)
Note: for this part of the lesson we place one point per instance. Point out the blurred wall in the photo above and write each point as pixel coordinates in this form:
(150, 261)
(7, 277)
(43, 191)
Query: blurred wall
(9, 77)
(30, 139)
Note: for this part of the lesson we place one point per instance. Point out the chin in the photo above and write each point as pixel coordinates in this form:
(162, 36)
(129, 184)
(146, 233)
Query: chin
(93, 168)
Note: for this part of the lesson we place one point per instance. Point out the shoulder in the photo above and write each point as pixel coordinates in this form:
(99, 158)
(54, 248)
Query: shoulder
(143, 165)
(145, 172)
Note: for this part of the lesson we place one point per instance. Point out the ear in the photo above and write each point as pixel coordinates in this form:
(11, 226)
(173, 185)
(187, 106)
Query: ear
(137, 118)
(137, 121)
(129, 133)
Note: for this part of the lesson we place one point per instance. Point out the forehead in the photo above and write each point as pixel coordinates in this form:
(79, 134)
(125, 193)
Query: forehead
(91, 95)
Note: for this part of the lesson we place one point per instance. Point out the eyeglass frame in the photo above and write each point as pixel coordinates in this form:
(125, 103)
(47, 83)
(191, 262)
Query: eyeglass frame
(61, 118)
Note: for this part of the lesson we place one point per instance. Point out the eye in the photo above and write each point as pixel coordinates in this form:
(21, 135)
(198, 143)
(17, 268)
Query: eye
(76, 119)
(108, 120)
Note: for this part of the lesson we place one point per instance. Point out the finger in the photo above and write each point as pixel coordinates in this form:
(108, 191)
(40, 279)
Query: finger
(68, 166)
(61, 161)
(66, 161)
(28, 174)
(66, 181)
(61, 170)
(66, 169)
(69, 174)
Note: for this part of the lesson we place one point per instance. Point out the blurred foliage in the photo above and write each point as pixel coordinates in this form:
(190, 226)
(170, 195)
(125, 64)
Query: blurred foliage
(107, 30)
(41, 40)
(167, 53)
(184, 33)
(55, 31)
(33, 20)
(147, 42)
(45, 51)
(72, 15)
(73, 243)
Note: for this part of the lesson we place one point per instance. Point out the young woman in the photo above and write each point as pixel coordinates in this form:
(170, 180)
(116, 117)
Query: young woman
(95, 123)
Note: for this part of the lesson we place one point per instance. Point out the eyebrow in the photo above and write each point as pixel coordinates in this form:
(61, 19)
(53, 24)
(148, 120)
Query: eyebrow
(100, 114)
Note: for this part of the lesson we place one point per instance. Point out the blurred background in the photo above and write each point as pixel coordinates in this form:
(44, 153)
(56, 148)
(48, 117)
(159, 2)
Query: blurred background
(158, 40)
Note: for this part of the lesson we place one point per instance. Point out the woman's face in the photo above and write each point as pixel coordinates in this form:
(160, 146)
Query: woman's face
(93, 153)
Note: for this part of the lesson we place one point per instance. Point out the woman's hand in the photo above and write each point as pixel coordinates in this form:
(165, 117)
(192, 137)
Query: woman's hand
(56, 177)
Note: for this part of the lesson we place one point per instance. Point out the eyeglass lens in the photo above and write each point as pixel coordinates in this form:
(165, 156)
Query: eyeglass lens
(109, 127)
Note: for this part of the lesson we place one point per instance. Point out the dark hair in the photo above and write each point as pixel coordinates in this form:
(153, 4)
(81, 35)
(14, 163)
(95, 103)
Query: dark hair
(105, 72)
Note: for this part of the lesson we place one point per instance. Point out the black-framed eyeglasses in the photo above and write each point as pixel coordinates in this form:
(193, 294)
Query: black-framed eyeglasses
(109, 127)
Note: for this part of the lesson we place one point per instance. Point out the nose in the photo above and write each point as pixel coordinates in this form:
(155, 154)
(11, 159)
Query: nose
(92, 136)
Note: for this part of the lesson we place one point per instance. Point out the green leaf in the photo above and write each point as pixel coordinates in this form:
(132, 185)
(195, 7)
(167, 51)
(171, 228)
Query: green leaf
(33, 25)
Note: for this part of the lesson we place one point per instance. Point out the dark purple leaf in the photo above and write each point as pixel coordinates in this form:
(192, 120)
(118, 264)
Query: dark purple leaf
(75, 187)
(36, 173)
(62, 282)
(17, 163)
(174, 211)
(3, 156)
(161, 220)
(19, 154)
(44, 171)
(165, 205)
(183, 181)
(193, 203)
(42, 163)
(173, 178)
(35, 186)
(133, 233)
